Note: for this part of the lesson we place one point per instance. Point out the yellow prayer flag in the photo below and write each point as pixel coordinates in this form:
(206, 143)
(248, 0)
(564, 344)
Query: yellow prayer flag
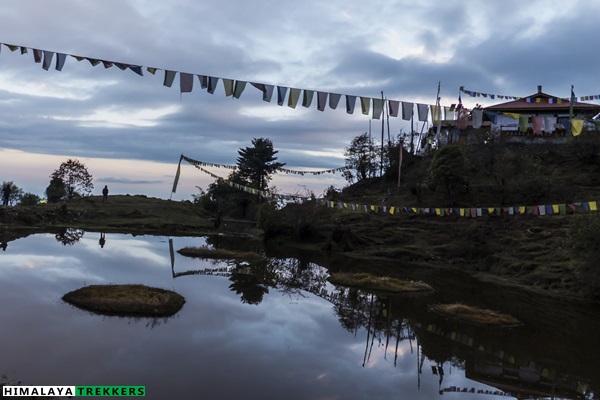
(593, 206)
(392, 210)
(577, 127)
(513, 115)
(415, 210)
(438, 211)
(522, 209)
(372, 208)
(462, 212)
(555, 208)
(491, 210)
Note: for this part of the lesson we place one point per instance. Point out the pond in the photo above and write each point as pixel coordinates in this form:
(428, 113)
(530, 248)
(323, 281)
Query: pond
(275, 330)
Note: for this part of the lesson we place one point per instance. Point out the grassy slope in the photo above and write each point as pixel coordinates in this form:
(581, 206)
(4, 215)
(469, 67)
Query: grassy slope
(130, 214)
(523, 250)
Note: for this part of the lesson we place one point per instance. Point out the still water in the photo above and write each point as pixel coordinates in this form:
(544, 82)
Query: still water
(274, 330)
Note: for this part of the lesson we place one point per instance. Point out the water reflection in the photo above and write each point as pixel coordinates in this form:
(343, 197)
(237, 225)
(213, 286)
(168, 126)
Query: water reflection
(277, 327)
(102, 240)
(69, 236)
(443, 344)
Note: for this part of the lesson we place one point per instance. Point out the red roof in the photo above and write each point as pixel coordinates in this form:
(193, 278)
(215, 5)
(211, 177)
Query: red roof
(522, 105)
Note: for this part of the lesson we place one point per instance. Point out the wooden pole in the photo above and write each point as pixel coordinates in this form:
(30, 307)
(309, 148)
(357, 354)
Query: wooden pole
(382, 130)
(401, 145)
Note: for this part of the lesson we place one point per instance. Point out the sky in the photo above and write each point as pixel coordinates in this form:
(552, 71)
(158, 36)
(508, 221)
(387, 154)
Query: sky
(130, 130)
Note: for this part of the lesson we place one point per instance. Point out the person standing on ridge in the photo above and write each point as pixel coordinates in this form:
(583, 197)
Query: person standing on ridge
(5, 194)
(105, 193)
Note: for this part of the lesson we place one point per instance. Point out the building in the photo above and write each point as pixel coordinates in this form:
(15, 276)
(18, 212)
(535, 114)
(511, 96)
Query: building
(541, 114)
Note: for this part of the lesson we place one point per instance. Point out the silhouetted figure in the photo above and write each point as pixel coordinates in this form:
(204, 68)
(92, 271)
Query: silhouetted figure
(218, 219)
(5, 194)
(4, 245)
(105, 193)
(102, 240)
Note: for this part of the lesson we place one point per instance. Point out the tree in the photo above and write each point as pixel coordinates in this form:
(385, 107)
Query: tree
(448, 170)
(361, 158)
(29, 199)
(75, 177)
(15, 192)
(56, 191)
(256, 164)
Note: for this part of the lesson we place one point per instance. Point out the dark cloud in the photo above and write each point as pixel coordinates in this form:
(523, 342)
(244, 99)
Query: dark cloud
(127, 181)
(401, 48)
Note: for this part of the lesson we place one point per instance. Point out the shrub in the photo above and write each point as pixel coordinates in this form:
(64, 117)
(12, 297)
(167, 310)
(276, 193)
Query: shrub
(29, 199)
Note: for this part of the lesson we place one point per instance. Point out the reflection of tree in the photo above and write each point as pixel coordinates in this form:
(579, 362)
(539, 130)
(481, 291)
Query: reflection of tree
(69, 236)
(249, 286)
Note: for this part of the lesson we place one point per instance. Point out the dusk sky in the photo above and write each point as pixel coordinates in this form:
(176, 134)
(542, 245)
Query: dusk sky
(130, 130)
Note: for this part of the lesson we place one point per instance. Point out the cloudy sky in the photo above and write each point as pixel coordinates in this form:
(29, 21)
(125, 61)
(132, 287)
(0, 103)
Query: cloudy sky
(130, 130)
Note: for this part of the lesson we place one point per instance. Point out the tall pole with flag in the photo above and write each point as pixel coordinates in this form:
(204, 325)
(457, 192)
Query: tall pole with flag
(572, 102)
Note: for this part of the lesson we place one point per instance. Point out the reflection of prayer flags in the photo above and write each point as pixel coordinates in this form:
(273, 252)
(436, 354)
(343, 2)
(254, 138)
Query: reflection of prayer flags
(377, 108)
(350, 103)
(186, 82)
(293, 97)
(239, 88)
(365, 105)
(169, 78)
(334, 100)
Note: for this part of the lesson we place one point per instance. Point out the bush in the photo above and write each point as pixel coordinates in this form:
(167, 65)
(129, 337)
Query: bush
(29, 199)
(268, 218)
